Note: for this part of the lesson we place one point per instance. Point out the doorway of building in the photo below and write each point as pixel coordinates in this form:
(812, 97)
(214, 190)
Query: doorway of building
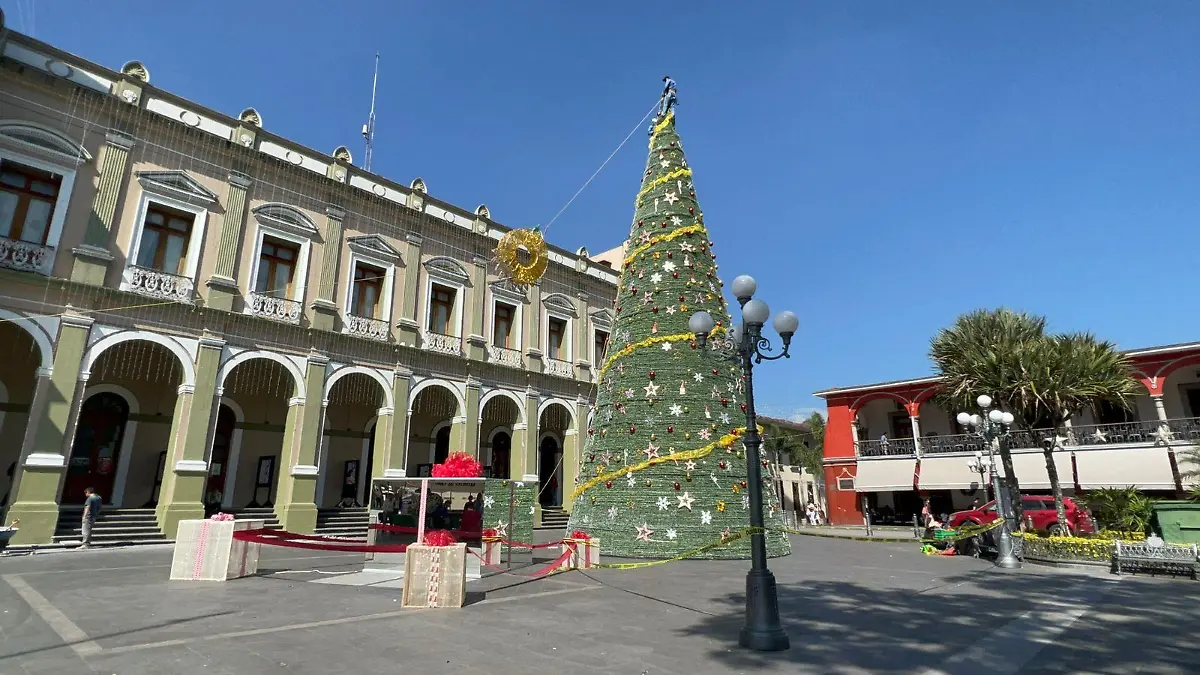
(218, 465)
(96, 448)
(549, 454)
(501, 452)
(441, 444)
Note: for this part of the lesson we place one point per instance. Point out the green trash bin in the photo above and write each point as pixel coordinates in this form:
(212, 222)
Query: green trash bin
(1178, 521)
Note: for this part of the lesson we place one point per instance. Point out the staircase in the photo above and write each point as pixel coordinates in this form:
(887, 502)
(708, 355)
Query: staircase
(554, 518)
(259, 513)
(343, 523)
(113, 527)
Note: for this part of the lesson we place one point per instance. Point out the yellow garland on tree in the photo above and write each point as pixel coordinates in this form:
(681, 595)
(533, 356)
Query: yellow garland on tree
(650, 342)
(696, 228)
(722, 442)
(508, 256)
(661, 125)
(678, 173)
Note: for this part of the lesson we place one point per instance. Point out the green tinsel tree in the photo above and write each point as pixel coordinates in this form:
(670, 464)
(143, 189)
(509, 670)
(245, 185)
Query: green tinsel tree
(663, 471)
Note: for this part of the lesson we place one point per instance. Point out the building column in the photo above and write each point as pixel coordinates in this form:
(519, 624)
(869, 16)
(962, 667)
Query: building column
(384, 430)
(407, 323)
(533, 336)
(516, 454)
(529, 449)
(47, 441)
(322, 456)
(476, 342)
(393, 463)
(916, 428)
(222, 284)
(93, 256)
(1164, 433)
(573, 446)
(471, 424)
(181, 496)
(325, 307)
(582, 338)
(458, 435)
(295, 503)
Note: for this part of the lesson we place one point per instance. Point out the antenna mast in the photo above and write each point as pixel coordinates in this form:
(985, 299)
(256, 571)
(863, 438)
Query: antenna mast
(368, 130)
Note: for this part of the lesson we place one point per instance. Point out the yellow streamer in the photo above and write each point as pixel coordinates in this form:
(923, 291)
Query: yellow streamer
(722, 442)
(661, 125)
(650, 342)
(678, 173)
(673, 234)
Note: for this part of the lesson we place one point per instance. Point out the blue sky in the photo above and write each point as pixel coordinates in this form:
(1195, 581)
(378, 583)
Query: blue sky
(880, 167)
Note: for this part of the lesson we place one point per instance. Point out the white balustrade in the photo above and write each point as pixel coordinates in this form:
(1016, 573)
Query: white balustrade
(24, 256)
(267, 306)
(158, 284)
(441, 343)
(372, 329)
(505, 356)
(559, 368)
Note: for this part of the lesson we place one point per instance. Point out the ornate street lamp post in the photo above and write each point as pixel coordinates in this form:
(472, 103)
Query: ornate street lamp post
(762, 630)
(991, 426)
(980, 467)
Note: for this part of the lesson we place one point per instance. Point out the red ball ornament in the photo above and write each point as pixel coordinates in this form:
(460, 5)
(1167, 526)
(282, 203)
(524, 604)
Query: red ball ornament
(743, 406)
(618, 309)
(608, 484)
(655, 310)
(691, 209)
(675, 274)
(670, 429)
(652, 374)
(639, 222)
(670, 255)
(682, 299)
(715, 371)
(725, 402)
(632, 429)
(743, 483)
(677, 486)
(692, 193)
(672, 144)
(663, 224)
(722, 465)
(693, 345)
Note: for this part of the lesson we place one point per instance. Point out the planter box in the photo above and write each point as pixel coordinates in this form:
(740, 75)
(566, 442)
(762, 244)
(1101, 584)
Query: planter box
(584, 553)
(435, 576)
(1178, 521)
(205, 550)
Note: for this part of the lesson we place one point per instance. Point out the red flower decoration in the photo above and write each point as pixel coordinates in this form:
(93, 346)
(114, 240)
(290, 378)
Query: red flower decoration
(489, 532)
(580, 534)
(439, 538)
(458, 465)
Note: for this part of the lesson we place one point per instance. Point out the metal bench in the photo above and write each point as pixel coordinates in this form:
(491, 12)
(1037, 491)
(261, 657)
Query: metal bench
(1173, 558)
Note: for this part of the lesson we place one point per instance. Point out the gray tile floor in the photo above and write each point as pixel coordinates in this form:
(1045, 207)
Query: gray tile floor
(849, 607)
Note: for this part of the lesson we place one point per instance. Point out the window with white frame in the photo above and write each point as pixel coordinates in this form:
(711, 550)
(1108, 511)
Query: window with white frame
(38, 173)
(559, 313)
(370, 277)
(171, 217)
(504, 317)
(445, 294)
(599, 345)
(282, 249)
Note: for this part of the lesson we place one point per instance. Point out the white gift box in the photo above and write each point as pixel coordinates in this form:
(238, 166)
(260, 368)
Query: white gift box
(584, 553)
(435, 576)
(492, 550)
(205, 550)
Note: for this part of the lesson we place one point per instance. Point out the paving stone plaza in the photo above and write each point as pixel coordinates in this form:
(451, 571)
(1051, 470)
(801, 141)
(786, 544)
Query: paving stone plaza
(848, 606)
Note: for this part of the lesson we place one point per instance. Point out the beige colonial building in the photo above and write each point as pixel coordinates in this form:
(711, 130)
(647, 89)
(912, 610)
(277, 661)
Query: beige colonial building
(197, 314)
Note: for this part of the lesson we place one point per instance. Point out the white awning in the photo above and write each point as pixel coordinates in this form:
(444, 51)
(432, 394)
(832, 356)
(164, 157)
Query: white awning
(1031, 469)
(948, 473)
(1148, 468)
(884, 475)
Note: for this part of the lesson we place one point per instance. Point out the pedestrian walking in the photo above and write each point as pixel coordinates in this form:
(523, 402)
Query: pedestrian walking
(91, 509)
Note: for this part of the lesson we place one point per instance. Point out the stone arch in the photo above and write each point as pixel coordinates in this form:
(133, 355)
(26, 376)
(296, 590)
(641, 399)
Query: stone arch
(103, 344)
(234, 361)
(510, 395)
(545, 405)
(437, 382)
(343, 371)
(46, 139)
(40, 337)
(861, 401)
(1154, 377)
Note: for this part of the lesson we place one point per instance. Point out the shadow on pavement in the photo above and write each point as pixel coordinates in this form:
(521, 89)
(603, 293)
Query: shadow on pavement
(97, 638)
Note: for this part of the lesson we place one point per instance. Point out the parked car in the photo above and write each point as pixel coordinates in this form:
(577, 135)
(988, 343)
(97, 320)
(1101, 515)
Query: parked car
(1038, 508)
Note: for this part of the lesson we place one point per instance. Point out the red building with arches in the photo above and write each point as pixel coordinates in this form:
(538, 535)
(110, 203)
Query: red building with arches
(890, 444)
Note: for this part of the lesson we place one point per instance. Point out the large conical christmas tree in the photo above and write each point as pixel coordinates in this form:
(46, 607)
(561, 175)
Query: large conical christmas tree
(663, 472)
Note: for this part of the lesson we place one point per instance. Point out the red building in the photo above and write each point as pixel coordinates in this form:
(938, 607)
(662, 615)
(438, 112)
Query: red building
(890, 444)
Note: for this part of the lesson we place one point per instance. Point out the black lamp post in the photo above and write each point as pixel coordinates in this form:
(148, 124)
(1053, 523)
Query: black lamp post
(762, 630)
(991, 426)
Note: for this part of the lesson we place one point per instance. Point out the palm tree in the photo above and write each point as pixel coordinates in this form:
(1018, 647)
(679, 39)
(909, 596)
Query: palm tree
(1042, 379)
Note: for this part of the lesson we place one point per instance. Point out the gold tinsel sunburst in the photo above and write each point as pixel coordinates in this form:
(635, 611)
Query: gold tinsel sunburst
(509, 256)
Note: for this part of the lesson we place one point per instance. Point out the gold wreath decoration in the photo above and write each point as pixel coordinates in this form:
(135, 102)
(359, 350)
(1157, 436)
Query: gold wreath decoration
(508, 256)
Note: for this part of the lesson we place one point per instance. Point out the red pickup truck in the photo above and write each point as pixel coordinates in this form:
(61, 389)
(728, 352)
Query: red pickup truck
(1038, 508)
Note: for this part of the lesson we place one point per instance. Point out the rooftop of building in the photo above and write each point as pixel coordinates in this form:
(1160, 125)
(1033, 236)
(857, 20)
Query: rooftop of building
(131, 84)
(1145, 353)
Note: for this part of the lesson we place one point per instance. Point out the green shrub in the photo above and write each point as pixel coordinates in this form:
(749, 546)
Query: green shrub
(1122, 509)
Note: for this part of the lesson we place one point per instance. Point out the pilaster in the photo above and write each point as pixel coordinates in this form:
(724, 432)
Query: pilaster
(533, 335)
(396, 464)
(407, 323)
(458, 435)
(222, 284)
(529, 449)
(93, 256)
(916, 430)
(296, 503)
(181, 496)
(582, 337)
(476, 342)
(471, 431)
(47, 437)
(573, 447)
(325, 307)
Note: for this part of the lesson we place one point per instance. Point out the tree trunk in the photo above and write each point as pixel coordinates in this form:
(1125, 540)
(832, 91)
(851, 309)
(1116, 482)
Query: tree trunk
(1010, 481)
(1055, 485)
